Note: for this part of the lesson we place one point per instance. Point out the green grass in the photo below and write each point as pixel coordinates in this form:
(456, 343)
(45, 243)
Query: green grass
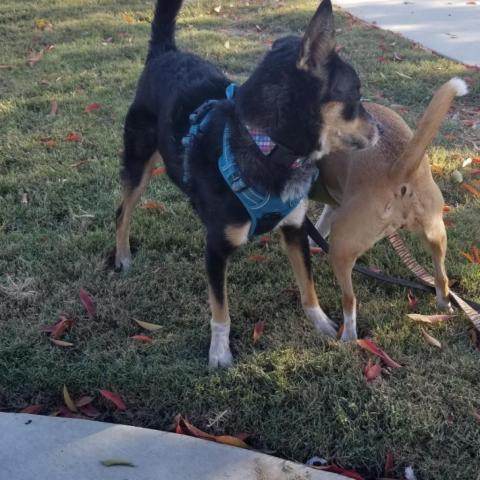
(299, 394)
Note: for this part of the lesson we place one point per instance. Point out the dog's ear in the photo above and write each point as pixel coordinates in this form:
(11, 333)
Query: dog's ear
(318, 41)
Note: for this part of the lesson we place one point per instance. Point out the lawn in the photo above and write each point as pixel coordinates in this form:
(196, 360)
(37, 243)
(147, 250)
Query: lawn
(297, 393)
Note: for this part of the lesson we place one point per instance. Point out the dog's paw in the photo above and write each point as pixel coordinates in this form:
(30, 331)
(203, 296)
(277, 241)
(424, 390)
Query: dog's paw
(220, 354)
(444, 304)
(223, 359)
(123, 264)
(321, 322)
(348, 335)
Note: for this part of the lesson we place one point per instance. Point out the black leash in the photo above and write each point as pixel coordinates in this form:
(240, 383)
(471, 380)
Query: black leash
(314, 234)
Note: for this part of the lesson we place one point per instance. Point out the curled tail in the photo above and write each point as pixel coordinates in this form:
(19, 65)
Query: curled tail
(427, 128)
(163, 27)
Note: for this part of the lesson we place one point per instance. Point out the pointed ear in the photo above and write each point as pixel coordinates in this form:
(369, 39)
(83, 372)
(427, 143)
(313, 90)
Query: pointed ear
(318, 41)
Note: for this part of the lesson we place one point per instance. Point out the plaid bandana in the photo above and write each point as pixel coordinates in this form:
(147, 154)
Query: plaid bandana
(263, 141)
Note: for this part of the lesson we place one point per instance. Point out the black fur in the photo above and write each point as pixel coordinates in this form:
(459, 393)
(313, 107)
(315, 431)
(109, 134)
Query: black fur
(279, 97)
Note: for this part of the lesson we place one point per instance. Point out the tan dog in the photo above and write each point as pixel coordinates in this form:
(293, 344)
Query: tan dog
(384, 188)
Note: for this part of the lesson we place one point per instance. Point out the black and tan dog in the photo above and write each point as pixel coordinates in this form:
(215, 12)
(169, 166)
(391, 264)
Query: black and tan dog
(302, 96)
(382, 189)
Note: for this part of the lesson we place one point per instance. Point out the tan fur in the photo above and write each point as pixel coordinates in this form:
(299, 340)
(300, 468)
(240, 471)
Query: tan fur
(130, 199)
(220, 312)
(338, 132)
(237, 234)
(382, 189)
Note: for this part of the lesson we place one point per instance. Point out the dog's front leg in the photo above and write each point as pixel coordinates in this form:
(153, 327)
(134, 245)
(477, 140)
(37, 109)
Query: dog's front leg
(217, 254)
(298, 251)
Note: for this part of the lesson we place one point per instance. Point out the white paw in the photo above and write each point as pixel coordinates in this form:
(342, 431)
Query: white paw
(444, 304)
(321, 322)
(220, 354)
(123, 263)
(349, 335)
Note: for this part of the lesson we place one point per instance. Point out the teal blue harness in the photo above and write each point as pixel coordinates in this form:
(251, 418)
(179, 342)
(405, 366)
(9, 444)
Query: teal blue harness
(265, 210)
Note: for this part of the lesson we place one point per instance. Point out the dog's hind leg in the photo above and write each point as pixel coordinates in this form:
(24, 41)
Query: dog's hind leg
(140, 156)
(435, 238)
(298, 252)
(217, 253)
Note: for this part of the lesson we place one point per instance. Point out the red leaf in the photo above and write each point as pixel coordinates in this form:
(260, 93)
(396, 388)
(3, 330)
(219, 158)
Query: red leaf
(372, 347)
(83, 401)
(258, 329)
(265, 240)
(471, 2)
(158, 171)
(73, 138)
(92, 107)
(59, 328)
(257, 258)
(114, 398)
(89, 411)
(142, 338)
(471, 189)
(412, 301)
(336, 469)
(186, 428)
(65, 412)
(153, 206)
(372, 371)
(32, 409)
(87, 302)
(476, 161)
(389, 465)
(48, 142)
(315, 250)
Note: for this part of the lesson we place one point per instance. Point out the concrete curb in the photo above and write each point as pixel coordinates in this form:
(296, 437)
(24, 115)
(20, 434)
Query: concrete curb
(34, 447)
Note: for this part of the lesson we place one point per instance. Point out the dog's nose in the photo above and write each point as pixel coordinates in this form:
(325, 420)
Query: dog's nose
(380, 128)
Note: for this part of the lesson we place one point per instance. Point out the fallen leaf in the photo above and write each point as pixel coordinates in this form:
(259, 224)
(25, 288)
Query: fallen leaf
(61, 343)
(449, 223)
(65, 412)
(471, 2)
(447, 208)
(116, 462)
(34, 58)
(316, 250)
(436, 168)
(53, 108)
(468, 257)
(153, 206)
(217, 9)
(43, 24)
(92, 107)
(72, 138)
(336, 469)
(227, 44)
(471, 189)
(429, 318)
(114, 398)
(258, 329)
(142, 338)
(412, 300)
(397, 57)
(68, 400)
(83, 401)
(48, 142)
(186, 428)
(60, 327)
(257, 258)
(389, 465)
(5, 66)
(231, 440)
(476, 161)
(431, 340)
(265, 239)
(382, 59)
(151, 327)
(89, 411)
(158, 171)
(372, 371)
(372, 347)
(128, 18)
(32, 409)
(87, 302)
(24, 199)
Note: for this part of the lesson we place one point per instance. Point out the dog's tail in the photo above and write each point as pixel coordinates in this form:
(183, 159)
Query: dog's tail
(427, 128)
(163, 27)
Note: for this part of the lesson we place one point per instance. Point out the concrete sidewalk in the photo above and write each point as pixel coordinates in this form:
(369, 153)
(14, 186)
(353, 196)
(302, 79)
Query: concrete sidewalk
(34, 447)
(448, 27)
